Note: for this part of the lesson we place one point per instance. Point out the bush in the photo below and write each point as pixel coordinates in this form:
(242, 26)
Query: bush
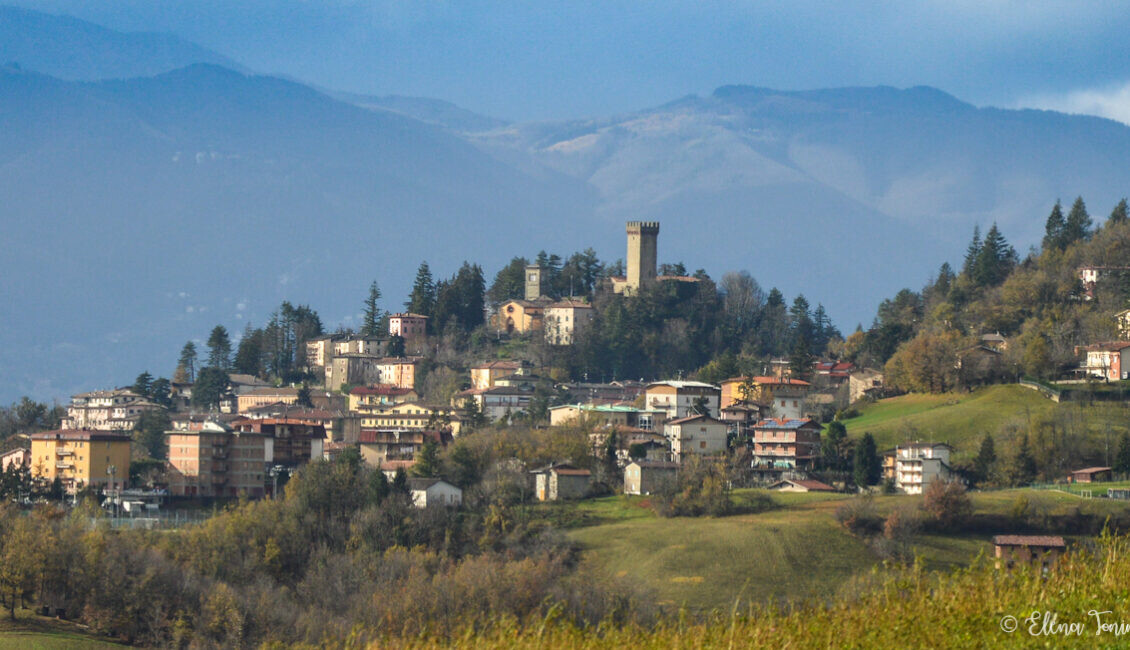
(859, 517)
(948, 505)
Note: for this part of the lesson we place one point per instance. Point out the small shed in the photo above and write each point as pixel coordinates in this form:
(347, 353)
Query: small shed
(648, 476)
(1091, 475)
(561, 481)
(1037, 550)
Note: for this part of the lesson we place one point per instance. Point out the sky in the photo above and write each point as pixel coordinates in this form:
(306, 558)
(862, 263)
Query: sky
(538, 60)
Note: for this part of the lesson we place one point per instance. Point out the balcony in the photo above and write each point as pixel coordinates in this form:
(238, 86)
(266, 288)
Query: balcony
(64, 451)
(64, 465)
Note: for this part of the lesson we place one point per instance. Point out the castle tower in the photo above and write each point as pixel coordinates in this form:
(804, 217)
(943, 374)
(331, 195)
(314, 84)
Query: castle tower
(533, 282)
(643, 237)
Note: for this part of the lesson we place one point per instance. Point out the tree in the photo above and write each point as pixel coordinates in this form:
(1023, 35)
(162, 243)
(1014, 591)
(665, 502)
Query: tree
(834, 447)
(303, 397)
(422, 300)
(249, 354)
(1122, 460)
(995, 261)
(396, 346)
(1078, 225)
(427, 460)
(30, 415)
(160, 392)
(972, 253)
(986, 459)
(1119, 213)
(1023, 464)
(143, 385)
(948, 503)
(867, 468)
(372, 314)
(219, 348)
(509, 282)
(149, 432)
(209, 388)
(187, 361)
(1053, 229)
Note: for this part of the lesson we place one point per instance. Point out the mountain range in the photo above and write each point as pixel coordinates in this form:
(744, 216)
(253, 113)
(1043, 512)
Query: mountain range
(145, 198)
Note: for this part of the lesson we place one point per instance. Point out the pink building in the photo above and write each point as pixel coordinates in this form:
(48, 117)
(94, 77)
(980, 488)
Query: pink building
(413, 328)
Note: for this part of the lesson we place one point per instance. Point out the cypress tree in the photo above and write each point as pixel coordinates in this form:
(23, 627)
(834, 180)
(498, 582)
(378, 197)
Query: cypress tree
(986, 458)
(867, 468)
(422, 300)
(1122, 460)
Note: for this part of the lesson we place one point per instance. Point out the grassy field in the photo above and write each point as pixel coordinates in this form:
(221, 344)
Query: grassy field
(793, 552)
(29, 632)
(962, 419)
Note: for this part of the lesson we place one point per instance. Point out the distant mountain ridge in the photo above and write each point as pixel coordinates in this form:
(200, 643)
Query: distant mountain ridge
(137, 213)
(73, 49)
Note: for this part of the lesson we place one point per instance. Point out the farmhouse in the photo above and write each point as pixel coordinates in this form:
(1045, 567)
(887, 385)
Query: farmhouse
(433, 492)
(1037, 550)
(561, 481)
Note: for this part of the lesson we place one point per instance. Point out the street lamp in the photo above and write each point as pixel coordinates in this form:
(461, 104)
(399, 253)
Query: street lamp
(112, 471)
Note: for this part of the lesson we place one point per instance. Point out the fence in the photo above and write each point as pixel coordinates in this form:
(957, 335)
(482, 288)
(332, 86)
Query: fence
(161, 520)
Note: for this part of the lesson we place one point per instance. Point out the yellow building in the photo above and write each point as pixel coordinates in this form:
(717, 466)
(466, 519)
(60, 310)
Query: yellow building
(486, 374)
(520, 316)
(81, 457)
(411, 415)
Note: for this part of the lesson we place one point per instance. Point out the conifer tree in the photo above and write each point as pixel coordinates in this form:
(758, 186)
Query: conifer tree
(372, 315)
(186, 365)
(423, 297)
(219, 348)
(1122, 460)
(986, 458)
(995, 260)
(1053, 229)
(972, 253)
(1119, 214)
(1078, 225)
(867, 467)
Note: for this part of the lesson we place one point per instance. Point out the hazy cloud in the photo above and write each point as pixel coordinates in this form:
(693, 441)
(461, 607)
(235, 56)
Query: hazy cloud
(1112, 102)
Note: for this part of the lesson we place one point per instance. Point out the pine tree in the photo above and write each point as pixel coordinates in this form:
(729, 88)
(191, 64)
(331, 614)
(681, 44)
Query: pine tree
(1053, 229)
(1078, 225)
(1023, 465)
(972, 253)
(219, 348)
(249, 354)
(995, 261)
(371, 324)
(187, 362)
(423, 297)
(1119, 214)
(986, 458)
(143, 385)
(1122, 460)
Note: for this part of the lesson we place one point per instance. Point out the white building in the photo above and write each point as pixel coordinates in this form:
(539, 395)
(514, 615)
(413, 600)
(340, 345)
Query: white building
(698, 434)
(920, 464)
(565, 320)
(678, 399)
(430, 492)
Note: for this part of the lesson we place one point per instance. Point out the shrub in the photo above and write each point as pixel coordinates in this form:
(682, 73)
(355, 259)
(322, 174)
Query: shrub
(948, 504)
(859, 517)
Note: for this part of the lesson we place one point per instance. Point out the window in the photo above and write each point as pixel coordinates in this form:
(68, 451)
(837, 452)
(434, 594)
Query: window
(702, 445)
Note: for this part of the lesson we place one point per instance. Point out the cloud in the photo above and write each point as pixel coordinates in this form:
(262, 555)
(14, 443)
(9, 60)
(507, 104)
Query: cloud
(1111, 102)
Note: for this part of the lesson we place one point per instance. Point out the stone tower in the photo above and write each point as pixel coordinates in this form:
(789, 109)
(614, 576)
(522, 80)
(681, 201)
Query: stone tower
(643, 237)
(533, 282)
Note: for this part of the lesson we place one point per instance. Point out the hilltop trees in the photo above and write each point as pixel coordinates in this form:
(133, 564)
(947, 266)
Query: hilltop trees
(461, 300)
(219, 348)
(510, 282)
(186, 364)
(422, 300)
(371, 323)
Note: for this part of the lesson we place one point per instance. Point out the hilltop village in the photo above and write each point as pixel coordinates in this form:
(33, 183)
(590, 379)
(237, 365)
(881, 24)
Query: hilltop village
(401, 391)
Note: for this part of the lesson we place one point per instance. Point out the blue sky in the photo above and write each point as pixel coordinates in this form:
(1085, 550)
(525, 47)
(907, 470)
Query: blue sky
(542, 60)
